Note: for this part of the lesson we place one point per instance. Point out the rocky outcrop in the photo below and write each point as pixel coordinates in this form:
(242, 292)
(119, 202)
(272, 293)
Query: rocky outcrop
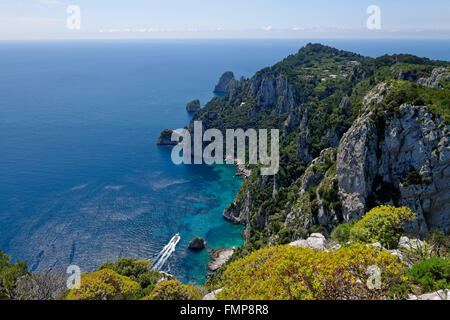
(165, 277)
(226, 83)
(438, 295)
(315, 241)
(272, 92)
(219, 257)
(378, 156)
(212, 295)
(317, 202)
(197, 244)
(436, 76)
(165, 138)
(193, 106)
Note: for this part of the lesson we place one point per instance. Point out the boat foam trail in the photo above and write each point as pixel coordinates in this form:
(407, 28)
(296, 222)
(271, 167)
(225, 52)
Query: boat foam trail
(166, 252)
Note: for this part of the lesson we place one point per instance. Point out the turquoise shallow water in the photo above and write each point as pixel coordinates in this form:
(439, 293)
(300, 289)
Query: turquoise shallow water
(81, 179)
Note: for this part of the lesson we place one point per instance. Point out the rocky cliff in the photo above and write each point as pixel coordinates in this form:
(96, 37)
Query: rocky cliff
(401, 159)
(356, 132)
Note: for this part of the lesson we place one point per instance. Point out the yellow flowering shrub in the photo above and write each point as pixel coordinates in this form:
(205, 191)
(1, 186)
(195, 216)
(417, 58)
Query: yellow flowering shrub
(295, 273)
(383, 224)
(173, 290)
(104, 284)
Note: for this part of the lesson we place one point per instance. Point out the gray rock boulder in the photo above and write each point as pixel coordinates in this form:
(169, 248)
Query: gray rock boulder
(410, 244)
(212, 295)
(314, 241)
(438, 295)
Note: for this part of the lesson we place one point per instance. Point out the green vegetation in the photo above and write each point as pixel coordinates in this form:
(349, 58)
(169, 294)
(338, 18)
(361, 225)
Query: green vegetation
(173, 290)
(193, 106)
(293, 273)
(436, 100)
(137, 270)
(165, 135)
(341, 233)
(383, 224)
(10, 273)
(432, 274)
(105, 284)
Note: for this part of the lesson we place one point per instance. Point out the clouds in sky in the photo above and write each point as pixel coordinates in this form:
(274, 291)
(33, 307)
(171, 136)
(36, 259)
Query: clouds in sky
(51, 2)
(46, 19)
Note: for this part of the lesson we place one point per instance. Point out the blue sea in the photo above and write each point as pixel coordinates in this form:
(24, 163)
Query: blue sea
(81, 178)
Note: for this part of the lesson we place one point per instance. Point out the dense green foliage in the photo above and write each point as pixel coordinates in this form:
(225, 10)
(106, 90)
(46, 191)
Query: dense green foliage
(383, 224)
(437, 100)
(9, 274)
(432, 274)
(292, 273)
(173, 290)
(105, 284)
(137, 270)
(341, 233)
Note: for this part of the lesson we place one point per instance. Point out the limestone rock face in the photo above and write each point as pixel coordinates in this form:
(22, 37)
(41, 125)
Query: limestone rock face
(435, 78)
(376, 158)
(315, 241)
(321, 177)
(212, 295)
(226, 83)
(197, 244)
(219, 257)
(272, 92)
(408, 244)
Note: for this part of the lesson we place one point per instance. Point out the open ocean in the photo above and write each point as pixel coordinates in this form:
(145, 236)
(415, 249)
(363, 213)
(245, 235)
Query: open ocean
(81, 178)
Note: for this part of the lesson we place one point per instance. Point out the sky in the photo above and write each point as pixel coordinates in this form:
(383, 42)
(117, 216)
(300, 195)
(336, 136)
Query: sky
(47, 19)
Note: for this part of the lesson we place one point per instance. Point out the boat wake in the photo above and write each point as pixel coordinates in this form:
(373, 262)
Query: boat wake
(166, 252)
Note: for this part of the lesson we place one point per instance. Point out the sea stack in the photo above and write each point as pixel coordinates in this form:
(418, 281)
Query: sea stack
(226, 83)
(165, 138)
(197, 244)
(193, 106)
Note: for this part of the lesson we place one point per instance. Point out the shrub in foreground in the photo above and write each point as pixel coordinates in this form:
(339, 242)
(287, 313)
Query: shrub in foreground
(341, 233)
(432, 274)
(9, 274)
(383, 224)
(173, 290)
(137, 270)
(294, 273)
(105, 284)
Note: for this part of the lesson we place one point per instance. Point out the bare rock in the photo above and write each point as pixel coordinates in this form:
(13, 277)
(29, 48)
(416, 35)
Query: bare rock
(314, 241)
(219, 257)
(212, 295)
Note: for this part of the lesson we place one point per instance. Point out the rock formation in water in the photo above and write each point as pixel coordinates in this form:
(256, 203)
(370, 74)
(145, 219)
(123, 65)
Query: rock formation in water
(197, 244)
(165, 138)
(226, 83)
(193, 106)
